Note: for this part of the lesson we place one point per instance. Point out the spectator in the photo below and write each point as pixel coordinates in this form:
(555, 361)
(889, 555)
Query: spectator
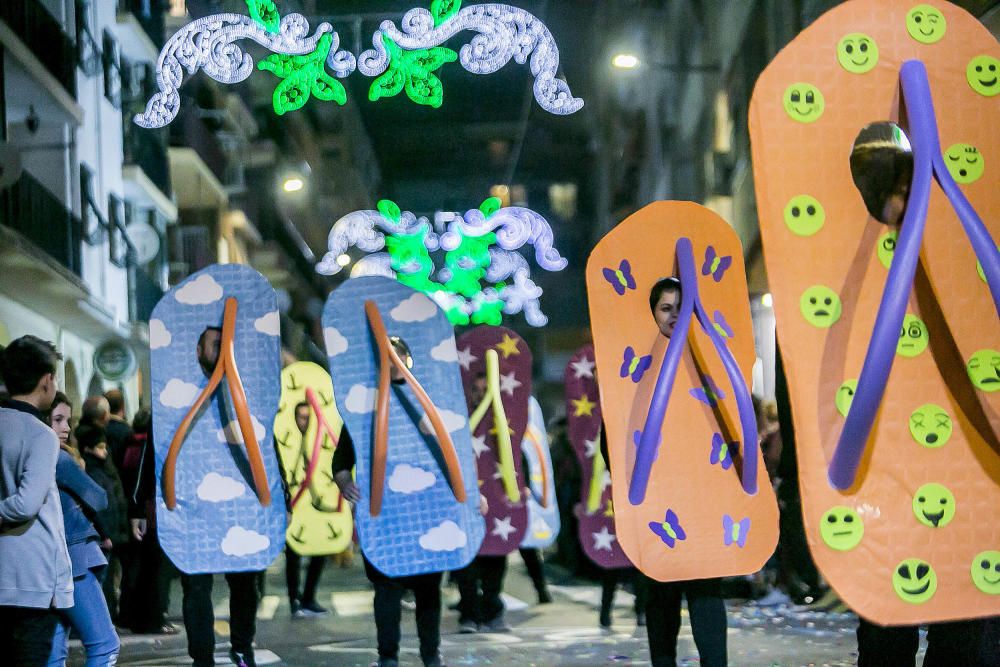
(96, 412)
(35, 573)
(112, 522)
(117, 427)
(81, 498)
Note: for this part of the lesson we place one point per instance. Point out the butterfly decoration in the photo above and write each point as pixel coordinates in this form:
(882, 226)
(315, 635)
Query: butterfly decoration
(635, 365)
(720, 452)
(621, 278)
(714, 265)
(709, 393)
(721, 325)
(735, 532)
(669, 530)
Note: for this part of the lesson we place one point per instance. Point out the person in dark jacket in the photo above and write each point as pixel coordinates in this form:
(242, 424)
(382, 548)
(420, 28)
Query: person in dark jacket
(81, 498)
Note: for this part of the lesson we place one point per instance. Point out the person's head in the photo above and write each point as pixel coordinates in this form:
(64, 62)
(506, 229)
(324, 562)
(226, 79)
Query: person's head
(28, 366)
(208, 349)
(403, 352)
(116, 402)
(95, 411)
(302, 417)
(478, 388)
(61, 416)
(665, 303)
(92, 441)
(142, 421)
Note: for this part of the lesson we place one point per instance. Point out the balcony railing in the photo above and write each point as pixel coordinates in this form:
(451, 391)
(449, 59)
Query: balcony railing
(191, 131)
(30, 209)
(145, 149)
(44, 35)
(150, 16)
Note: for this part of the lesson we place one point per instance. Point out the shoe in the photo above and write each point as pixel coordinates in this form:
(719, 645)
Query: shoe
(640, 619)
(774, 598)
(166, 629)
(436, 661)
(296, 609)
(311, 609)
(467, 628)
(498, 624)
(242, 659)
(544, 597)
(408, 602)
(385, 662)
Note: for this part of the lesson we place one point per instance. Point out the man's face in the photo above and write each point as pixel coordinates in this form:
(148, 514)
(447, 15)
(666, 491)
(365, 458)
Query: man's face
(302, 418)
(208, 350)
(478, 389)
(665, 312)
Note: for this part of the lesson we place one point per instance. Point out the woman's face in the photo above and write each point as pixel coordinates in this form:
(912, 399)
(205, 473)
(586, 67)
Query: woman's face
(61, 416)
(665, 312)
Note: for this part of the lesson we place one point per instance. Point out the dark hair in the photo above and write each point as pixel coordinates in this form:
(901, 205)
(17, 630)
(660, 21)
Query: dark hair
(60, 399)
(668, 284)
(301, 404)
(25, 361)
(201, 338)
(142, 421)
(116, 400)
(89, 436)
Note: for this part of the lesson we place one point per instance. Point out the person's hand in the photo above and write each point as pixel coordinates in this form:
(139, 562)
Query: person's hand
(347, 487)
(484, 505)
(106, 544)
(138, 528)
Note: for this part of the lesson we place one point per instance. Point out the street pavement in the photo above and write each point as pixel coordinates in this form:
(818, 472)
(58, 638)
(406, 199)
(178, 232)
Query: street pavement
(562, 633)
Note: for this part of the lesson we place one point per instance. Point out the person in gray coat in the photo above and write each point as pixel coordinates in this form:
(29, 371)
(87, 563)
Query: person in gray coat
(35, 573)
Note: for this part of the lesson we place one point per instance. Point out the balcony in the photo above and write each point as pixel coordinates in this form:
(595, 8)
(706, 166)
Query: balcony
(44, 37)
(140, 29)
(41, 218)
(145, 149)
(197, 163)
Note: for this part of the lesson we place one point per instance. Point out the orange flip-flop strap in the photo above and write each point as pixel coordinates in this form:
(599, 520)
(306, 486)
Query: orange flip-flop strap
(530, 432)
(381, 434)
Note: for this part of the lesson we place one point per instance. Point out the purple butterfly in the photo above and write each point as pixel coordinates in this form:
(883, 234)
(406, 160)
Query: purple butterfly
(634, 365)
(721, 325)
(620, 278)
(714, 265)
(720, 452)
(669, 530)
(708, 393)
(735, 531)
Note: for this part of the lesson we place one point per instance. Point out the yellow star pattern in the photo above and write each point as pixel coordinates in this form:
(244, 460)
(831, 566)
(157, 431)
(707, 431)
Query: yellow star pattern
(583, 406)
(495, 430)
(610, 511)
(508, 346)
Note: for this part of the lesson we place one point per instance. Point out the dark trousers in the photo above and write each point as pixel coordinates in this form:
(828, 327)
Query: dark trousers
(293, 563)
(533, 562)
(480, 585)
(707, 610)
(148, 612)
(609, 583)
(199, 618)
(26, 634)
(388, 610)
(129, 555)
(953, 644)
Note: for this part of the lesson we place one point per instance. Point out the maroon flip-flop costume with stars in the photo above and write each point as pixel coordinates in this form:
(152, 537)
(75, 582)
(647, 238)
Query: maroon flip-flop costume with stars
(506, 521)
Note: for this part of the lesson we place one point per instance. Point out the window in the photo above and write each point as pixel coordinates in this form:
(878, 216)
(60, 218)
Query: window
(112, 71)
(93, 222)
(118, 246)
(87, 54)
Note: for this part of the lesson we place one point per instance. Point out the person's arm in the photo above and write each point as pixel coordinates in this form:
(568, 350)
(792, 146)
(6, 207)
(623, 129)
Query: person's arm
(343, 462)
(36, 480)
(71, 477)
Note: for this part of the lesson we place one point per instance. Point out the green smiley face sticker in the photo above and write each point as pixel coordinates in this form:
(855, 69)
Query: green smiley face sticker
(914, 581)
(804, 215)
(821, 306)
(886, 249)
(982, 73)
(913, 337)
(841, 528)
(930, 425)
(926, 24)
(934, 505)
(964, 162)
(857, 53)
(803, 102)
(986, 572)
(845, 396)
(984, 370)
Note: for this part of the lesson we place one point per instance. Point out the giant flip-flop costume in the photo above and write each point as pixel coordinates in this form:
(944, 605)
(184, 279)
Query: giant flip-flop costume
(419, 508)
(900, 486)
(595, 512)
(498, 424)
(692, 499)
(219, 491)
(321, 521)
(543, 511)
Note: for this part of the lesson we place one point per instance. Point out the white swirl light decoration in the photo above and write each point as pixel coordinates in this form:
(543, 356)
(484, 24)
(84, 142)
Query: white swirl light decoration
(514, 227)
(503, 264)
(523, 295)
(209, 44)
(379, 264)
(505, 32)
(361, 229)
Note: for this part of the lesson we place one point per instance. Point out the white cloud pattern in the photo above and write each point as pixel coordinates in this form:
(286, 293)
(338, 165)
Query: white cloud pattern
(361, 399)
(201, 291)
(445, 351)
(178, 394)
(417, 308)
(452, 421)
(234, 436)
(159, 336)
(216, 488)
(335, 342)
(446, 536)
(268, 323)
(410, 479)
(242, 542)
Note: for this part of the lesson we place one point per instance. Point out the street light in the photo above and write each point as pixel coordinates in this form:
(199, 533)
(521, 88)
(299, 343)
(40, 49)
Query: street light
(343, 260)
(293, 184)
(625, 61)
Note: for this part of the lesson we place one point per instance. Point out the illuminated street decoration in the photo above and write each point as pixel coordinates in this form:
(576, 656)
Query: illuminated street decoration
(483, 277)
(402, 59)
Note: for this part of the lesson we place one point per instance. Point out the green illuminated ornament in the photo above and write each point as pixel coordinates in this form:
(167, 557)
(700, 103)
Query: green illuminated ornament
(411, 261)
(304, 76)
(389, 209)
(412, 71)
(487, 311)
(442, 10)
(490, 206)
(265, 13)
(468, 263)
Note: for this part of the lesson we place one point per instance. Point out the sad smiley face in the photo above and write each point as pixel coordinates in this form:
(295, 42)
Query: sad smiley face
(820, 306)
(913, 337)
(984, 370)
(803, 102)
